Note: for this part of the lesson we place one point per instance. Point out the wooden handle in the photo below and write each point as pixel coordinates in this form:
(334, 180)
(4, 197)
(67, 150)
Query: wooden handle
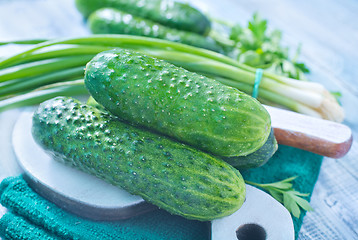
(315, 135)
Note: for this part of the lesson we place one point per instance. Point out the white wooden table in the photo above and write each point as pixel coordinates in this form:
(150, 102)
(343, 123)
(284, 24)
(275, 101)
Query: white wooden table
(328, 31)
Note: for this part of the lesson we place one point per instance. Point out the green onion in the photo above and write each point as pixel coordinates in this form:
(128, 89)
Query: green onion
(61, 51)
(48, 57)
(30, 41)
(71, 88)
(29, 83)
(42, 67)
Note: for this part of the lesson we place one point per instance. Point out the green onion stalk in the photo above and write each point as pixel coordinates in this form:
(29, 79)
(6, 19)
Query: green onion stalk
(58, 62)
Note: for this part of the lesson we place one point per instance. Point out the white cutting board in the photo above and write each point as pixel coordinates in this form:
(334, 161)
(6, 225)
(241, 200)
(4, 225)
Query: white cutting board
(70, 188)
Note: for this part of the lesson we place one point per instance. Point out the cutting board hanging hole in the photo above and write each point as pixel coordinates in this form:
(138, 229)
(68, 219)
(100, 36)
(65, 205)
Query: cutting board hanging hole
(251, 231)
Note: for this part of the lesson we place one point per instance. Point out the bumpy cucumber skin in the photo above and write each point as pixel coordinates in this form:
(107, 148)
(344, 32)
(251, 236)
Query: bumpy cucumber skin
(167, 12)
(253, 160)
(112, 21)
(171, 175)
(184, 105)
(257, 158)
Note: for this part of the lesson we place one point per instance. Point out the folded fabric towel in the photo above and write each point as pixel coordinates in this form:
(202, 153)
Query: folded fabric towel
(32, 217)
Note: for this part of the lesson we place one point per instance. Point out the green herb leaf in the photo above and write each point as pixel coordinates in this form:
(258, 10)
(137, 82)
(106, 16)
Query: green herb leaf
(236, 32)
(337, 96)
(279, 185)
(283, 192)
(291, 205)
(302, 67)
(276, 195)
(258, 27)
(303, 203)
(258, 47)
(290, 179)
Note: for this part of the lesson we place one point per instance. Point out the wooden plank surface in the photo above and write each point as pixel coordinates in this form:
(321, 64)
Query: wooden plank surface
(328, 31)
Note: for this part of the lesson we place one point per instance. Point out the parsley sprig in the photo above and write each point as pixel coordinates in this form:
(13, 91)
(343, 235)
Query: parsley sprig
(261, 48)
(257, 46)
(283, 192)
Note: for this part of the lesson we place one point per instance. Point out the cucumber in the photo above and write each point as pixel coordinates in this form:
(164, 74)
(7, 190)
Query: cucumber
(112, 21)
(173, 101)
(171, 175)
(257, 158)
(253, 160)
(169, 13)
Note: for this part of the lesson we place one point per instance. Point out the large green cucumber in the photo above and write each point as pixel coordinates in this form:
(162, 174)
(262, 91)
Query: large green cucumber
(113, 21)
(171, 175)
(167, 12)
(253, 160)
(173, 101)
